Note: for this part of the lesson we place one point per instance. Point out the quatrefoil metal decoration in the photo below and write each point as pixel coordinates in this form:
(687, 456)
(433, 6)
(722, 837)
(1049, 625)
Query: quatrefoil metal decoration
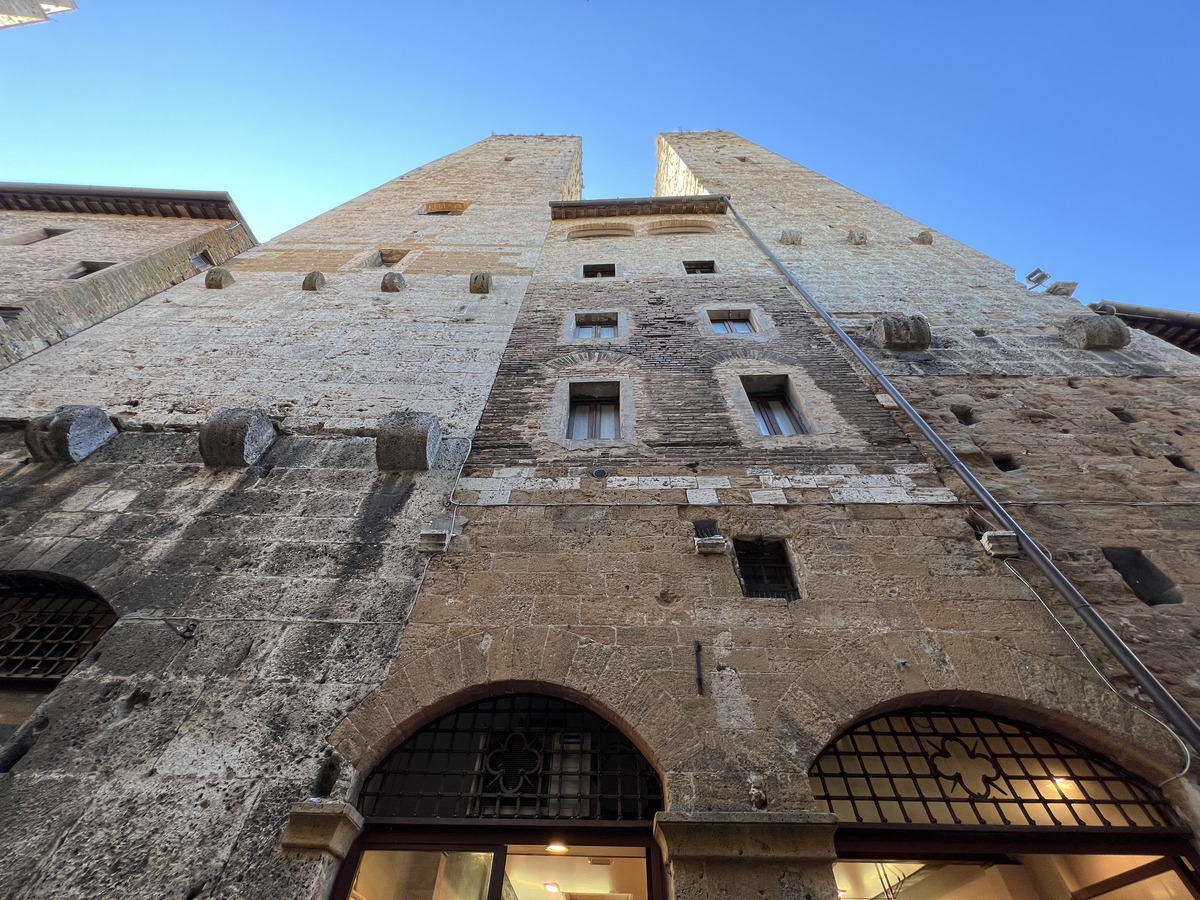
(975, 773)
(513, 762)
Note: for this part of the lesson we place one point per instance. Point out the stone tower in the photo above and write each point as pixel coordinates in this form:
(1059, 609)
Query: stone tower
(477, 540)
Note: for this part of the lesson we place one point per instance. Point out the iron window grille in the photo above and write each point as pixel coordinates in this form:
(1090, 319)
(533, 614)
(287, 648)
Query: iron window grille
(47, 625)
(765, 569)
(956, 767)
(514, 757)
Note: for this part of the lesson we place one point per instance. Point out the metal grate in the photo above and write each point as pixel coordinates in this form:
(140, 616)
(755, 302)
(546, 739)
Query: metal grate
(519, 756)
(945, 766)
(47, 625)
(765, 569)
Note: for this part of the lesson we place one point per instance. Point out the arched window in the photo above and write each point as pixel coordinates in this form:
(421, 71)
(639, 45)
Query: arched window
(47, 625)
(917, 788)
(509, 797)
(600, 230)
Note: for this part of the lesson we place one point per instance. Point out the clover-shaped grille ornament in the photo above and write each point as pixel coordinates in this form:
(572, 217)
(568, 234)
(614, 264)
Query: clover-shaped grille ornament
(975, 773)
(513, 762)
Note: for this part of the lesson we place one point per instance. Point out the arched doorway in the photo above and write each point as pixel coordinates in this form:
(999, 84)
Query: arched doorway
(48, 623)
(942, 803)
(513, 797)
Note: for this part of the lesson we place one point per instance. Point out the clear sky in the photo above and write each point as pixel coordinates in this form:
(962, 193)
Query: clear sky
(1055, 134)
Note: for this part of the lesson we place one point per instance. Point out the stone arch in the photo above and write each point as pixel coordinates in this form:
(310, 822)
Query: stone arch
(862, 679)
(589, 358)
(556, 661)
(48, 623)
(715, 358)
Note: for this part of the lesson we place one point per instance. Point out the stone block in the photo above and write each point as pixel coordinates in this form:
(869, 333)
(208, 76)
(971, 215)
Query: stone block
(1063, 288)
(893, 331)
(313, 281)
(217, 278)
(481, 282)
(322, 827)
(234, 438)
(857, 237)
(790, 236)
(924, 237)
(392, 283)
(1095, 332)
(1001, 543)
(407, 440)
(69, 434)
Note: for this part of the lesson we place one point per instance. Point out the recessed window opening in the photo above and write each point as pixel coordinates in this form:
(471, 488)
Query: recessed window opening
(600, 270)
(765, 569)
(1180, 462)
(10, 313)
(774, 407)
(33, 237)
(732, 321)
(509, 158)
(600, 231)
(595, 411)
(666, 228)
(700, 267)
(1005, 462)
(388, 256)
(964, 415)
(744, 159)
(1147, 581)
(1123, 415)
(201, 261)
(596, 325)
(84, 268)
(444, 208)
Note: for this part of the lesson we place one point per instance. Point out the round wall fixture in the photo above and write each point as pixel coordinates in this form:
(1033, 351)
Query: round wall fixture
(600, 473)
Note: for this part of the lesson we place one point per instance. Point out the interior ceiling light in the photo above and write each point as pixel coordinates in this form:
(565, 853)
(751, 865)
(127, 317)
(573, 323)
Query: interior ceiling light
(556, 848)
(551, 887)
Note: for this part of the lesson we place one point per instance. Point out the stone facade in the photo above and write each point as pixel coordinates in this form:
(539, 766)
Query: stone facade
(280, 633)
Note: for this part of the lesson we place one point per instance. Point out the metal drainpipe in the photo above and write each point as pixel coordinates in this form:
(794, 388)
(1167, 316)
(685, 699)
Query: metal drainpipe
(1175, 713)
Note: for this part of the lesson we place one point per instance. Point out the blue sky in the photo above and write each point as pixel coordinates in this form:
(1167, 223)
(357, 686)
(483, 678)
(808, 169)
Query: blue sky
(1055, 134)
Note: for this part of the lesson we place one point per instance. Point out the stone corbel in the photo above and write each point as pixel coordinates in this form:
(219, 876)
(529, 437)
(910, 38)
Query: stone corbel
(322, 828)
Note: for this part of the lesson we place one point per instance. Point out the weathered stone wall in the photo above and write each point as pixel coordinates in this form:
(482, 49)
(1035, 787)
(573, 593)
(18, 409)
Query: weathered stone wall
(42, 306)
(258, 605)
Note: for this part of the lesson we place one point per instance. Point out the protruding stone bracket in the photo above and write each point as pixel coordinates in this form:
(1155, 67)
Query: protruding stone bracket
(746, 837)
(924, 237)
(1062, 288)
(322, 828)
(1095, 333)
(857, 237)
(708, 537)
(893, 331)
(481, 282)
(313, 281)
(69, 434)
(393, 282)
(407, 440)
(1001, 544)
(218, 278)
(235, 438)
(790, 236)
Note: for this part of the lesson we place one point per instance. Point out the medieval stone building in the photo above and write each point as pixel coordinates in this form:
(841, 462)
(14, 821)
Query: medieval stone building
(474, 540)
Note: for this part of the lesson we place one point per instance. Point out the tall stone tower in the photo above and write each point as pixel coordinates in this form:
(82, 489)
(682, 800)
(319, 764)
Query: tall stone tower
(476, 540)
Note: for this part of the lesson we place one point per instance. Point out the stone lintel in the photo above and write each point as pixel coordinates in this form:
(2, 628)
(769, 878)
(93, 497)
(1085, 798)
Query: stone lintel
(746, 835)
(322, 827)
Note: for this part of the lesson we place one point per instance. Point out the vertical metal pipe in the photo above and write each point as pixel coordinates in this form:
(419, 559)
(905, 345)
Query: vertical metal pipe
(1171, 708)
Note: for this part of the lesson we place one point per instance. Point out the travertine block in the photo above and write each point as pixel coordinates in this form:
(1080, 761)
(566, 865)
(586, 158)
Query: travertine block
(407, 440)
(1062, 288)
(790, 236)
(924, 237)
(217, 278)
(392, 283)
(233, 438)
(322, 826)
(893, 331)
(857, 236)
(1095, 332)
(69, 434)
(313, 281)
(481, 282)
